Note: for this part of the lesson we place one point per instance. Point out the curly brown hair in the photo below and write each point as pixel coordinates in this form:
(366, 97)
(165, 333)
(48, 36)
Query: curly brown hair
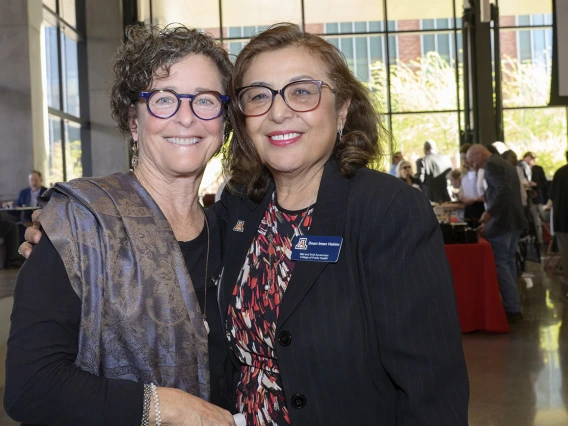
(363, 131)
(148, 53)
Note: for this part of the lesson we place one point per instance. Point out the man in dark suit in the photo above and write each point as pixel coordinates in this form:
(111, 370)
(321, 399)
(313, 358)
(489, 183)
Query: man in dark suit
(539, 182)
(559, 202)
(28, 198)
(502, 221)
(432, 170)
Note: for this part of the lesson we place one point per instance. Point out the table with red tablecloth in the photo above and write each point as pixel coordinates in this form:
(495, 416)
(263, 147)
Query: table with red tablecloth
(477, 289)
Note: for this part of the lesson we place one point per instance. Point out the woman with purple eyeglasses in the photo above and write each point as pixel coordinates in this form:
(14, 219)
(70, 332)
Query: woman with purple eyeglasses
(115, 318)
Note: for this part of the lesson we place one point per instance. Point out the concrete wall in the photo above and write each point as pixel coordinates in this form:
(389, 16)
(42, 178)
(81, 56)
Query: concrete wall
(21, 115)
(104, 35)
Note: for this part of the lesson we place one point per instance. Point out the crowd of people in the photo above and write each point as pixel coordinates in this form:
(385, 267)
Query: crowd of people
(506, 198)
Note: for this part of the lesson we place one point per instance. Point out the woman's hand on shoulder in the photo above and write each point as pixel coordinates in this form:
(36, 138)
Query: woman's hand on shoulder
(179, 408)
(32, 236)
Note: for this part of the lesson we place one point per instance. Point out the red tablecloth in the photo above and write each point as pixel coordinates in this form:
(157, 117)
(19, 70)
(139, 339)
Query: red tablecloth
(477, 289)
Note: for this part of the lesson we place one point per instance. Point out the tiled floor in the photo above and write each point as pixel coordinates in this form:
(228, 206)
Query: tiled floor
(516, 379)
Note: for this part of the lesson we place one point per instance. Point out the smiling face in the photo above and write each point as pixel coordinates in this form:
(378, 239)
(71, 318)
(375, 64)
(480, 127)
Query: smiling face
(293, 143)
(183, 144)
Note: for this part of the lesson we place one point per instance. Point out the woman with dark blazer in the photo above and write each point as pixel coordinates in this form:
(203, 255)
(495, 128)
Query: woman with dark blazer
(336, 295)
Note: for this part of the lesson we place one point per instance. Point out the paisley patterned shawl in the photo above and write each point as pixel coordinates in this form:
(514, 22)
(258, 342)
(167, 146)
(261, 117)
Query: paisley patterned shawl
(140, 318)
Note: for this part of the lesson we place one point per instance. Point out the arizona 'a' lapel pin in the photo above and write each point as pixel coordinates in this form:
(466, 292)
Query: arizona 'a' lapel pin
(240, 226)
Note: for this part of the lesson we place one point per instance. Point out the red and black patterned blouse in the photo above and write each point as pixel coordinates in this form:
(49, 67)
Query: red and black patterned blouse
(253, 313)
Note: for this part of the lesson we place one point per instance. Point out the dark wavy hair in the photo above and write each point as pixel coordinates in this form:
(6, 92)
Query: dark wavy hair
(363, 131)
(148, 53)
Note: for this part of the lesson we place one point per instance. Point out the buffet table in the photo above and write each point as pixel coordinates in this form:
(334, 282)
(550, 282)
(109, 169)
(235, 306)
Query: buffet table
(477, 288)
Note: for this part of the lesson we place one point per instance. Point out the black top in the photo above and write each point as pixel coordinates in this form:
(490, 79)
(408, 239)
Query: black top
(503, 198)
(541, 188)
(559, 196)
(43, 385)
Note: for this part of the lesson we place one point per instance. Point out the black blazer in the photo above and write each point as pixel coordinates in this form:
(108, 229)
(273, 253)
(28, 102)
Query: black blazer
(539, 177)
(503, 198)
(373, 339)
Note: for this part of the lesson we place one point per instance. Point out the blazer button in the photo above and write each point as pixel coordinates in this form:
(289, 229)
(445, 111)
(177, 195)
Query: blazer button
(284, 338)
(298, 401)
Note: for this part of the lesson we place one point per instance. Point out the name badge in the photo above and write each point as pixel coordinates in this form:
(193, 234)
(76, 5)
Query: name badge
(316, 249)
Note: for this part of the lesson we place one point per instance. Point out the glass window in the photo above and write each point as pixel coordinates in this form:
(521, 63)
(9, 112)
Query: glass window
(196, 14)
(411, 130)
(413, 10)
(526, 67)
(346, 46)
(321, 12)
(346, 27)
(73, 150)
(60, 61)
(542, 130)
(233, 32)
(393, 44)
(249, 31)
(375, 26)
(376, 49)
(523, 20)
(428, 24)
(428, 43)
(67, 12)
(360, 27)
(51, 4)
(421, 82)
(55, 151)
(255, 13)
(443, 24)
(332, 28)
(444, 47)
(51, 62)
(70, 74)
(144, 11)
(524, 7)
(362, 58)
(234, 49)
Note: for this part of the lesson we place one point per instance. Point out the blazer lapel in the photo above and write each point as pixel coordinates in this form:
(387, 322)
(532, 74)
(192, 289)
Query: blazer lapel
(328, 220)
(238, 239)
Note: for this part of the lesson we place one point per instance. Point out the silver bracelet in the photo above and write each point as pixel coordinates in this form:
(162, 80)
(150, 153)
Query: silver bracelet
(156, 404)
(146, 405)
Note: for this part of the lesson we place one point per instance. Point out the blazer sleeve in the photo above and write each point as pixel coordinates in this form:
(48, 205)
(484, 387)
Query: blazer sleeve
(21, 200)
(496, 177)
(415, 315)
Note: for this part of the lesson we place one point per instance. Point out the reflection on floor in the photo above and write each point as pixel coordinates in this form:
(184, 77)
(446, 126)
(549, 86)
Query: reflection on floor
(516, 379)
(521, 378)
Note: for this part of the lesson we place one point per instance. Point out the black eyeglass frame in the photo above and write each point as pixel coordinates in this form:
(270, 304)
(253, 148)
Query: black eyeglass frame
(147, 95)
(280, 92)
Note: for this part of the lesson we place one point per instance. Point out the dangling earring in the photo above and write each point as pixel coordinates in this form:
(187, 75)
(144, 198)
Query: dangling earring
(224, 159)
(340, 133)
(134, 159)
